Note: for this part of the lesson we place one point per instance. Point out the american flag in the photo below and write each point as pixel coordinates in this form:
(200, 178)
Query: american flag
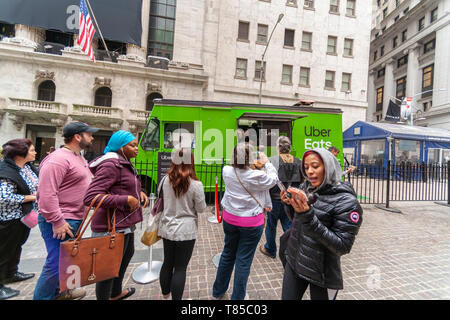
(86, 31)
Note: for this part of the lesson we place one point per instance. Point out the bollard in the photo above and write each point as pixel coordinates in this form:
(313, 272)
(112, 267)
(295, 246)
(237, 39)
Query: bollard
(149, 271)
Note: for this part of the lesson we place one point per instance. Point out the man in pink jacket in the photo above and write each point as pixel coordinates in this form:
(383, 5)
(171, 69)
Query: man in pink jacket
(64, 177)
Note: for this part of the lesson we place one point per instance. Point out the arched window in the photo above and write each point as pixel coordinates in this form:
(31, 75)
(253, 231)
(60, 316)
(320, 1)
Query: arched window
(46, 91)
(103, 97)
(150, 97)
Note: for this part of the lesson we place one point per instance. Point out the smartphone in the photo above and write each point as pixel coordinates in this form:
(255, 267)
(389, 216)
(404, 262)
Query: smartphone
(281, 186)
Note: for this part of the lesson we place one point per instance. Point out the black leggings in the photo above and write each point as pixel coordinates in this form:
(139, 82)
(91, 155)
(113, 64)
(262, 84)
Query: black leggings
(113, 287)
(294, 287)
(172, 277)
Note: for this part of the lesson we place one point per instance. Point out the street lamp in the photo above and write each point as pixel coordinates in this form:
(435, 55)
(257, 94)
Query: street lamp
(261, 69)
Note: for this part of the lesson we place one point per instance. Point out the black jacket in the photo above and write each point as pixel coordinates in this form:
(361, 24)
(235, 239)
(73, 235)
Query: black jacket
(289, 174)
(319, 237)
(9, 170)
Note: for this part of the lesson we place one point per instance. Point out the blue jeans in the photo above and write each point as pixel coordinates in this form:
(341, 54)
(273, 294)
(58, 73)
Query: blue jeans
(276, 214)
(47, 287)
(239, 250)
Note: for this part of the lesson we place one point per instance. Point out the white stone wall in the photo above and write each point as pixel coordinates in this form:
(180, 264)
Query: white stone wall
(439, 114)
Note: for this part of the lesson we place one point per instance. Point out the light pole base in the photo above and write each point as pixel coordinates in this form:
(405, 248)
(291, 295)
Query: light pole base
(144, 275)
(213, 219)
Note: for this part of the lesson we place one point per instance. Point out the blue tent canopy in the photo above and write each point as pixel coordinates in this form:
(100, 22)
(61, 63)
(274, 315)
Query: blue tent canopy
(428, 137)
(362, 130)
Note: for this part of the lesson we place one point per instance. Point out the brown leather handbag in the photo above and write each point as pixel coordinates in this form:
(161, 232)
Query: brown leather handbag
(86, 261)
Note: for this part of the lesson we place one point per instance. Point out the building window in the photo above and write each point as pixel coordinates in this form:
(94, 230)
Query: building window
(397, 3)
(162, 28)
(402, 61)
(149, 102)
(59, 37)
(329, 80)
(429, 46)
(262, 33)
(404, 35)
(406, 10)
(334, 6)
(381, 51)
(433, 15)
(375, 55)
(286, 77)
(346, 84)
(291, 2)
(289, 37)
(394, 42)
(243, 30)
(46, 91)
(7, 30)
(241, 68)
(348, 47)
(381, 73)
(421, 23)
(400, 92)
(258, 70)
(309, 4)
(427, 81)
(350, 10)
(304, 76)
(384, 13)
(103, 97)
(379, 106)
(332, 43)
(396, 18)
(307, 41)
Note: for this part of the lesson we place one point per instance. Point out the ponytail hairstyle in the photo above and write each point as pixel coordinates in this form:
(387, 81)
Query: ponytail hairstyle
(182, 170)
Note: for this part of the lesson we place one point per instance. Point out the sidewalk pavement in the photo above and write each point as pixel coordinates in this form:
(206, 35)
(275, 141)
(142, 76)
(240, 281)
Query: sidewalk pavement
(395, 256)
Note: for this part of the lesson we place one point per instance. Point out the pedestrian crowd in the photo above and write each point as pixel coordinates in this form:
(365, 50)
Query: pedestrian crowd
(319, 214)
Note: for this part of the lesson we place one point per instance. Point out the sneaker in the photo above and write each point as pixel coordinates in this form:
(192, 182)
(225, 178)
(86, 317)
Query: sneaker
(222, 297)
(73, 294)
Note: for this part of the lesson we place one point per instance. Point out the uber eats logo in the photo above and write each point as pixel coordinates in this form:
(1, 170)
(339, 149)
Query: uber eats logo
(315, 134)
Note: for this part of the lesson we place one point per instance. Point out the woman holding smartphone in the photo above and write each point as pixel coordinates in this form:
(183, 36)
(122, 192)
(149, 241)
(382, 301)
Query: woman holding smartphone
(326, 218)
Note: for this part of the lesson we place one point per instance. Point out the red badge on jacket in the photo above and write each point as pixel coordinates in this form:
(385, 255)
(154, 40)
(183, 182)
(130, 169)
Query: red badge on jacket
(354, 216)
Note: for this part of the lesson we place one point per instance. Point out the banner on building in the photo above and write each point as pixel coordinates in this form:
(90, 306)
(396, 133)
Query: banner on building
(393, 112)
(119, 20)
(405, 110)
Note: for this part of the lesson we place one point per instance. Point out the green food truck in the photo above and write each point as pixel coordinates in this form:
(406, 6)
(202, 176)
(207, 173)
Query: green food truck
(211, 129)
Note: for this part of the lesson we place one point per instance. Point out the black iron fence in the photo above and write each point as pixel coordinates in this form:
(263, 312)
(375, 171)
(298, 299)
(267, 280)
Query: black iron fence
(205, 172)
(401, 182)
(373, 184)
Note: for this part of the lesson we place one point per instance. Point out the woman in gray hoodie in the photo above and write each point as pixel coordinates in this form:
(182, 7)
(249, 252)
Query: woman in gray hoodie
(326, 218)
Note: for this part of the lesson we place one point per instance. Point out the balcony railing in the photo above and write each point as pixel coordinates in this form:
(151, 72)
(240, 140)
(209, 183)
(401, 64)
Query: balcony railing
(38, 105)
(97, 111)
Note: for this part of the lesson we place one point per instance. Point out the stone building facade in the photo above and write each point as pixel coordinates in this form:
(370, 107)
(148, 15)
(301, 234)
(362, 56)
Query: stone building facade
(409, 58)
(319, 52)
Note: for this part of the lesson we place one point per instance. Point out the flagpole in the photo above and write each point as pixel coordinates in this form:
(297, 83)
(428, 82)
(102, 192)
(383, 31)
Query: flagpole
(98, 28)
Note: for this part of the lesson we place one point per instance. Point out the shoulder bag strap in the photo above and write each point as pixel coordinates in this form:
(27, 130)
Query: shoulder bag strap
(84, 225)
(161, 184)
(247, 189)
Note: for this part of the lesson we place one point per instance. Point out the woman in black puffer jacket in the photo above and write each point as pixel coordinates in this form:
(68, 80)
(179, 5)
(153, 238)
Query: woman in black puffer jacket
(324, 226)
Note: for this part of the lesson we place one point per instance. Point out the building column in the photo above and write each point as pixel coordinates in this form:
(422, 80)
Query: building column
(36, 35)
(371, 96)
(389, 85)
(413, 78)
(145, 25)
